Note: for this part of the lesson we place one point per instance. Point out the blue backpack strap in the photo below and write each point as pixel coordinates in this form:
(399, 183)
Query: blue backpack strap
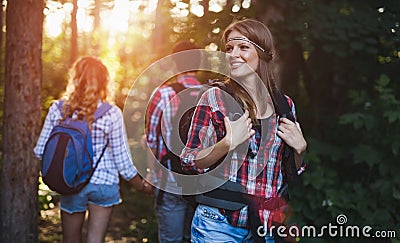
(104, 107)
(60, 106)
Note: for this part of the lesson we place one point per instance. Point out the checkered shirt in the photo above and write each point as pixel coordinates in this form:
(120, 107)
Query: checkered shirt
(116, 159)
(158, 108)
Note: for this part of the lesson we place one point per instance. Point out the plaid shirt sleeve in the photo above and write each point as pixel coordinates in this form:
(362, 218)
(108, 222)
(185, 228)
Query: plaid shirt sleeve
(119, 146)
(154, 112)
(202, 131)
(52, 117)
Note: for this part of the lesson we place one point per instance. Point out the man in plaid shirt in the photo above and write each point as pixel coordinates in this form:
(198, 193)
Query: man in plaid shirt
(173, 212)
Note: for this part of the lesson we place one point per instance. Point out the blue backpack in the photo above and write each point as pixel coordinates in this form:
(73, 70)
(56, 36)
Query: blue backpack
(67, 162)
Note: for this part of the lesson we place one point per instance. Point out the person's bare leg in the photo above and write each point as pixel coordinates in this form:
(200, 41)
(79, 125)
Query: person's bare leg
(72, 226)
(98, 223)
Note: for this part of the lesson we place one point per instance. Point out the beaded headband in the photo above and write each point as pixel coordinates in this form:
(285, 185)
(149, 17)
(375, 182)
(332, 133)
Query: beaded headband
(247, 40)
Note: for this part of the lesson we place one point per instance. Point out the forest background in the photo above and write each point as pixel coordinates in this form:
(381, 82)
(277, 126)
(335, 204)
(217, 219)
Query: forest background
(338, 60)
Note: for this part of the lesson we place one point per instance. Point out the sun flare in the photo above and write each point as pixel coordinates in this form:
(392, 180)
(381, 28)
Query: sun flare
(114, 20)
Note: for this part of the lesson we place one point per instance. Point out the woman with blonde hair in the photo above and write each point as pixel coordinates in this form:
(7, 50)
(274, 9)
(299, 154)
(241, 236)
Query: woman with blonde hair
(214, 134)
(86, 91)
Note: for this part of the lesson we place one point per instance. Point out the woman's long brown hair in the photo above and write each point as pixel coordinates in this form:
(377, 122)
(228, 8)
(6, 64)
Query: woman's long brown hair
(87, 85)
(258, 33)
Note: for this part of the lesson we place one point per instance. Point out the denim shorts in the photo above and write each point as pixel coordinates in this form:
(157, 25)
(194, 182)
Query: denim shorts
(209, 225)
(97, 194)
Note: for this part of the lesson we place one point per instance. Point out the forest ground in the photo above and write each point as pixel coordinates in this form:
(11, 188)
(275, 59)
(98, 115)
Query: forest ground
(132, 221)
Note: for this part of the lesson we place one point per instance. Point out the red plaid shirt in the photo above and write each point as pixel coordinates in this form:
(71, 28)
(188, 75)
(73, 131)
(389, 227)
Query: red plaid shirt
(157, 108)
(260, 172)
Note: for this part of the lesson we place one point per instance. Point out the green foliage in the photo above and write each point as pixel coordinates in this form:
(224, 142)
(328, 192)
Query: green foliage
(55, 61)
(329, 49)
(358, 178)
(47, 198)
(374, 147)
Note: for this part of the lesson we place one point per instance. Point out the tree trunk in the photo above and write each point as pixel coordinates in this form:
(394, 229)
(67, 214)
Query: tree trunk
(74, 33)
(96, 28)
(1, 42)
(158, 38)
(1, 59)
(20, 168)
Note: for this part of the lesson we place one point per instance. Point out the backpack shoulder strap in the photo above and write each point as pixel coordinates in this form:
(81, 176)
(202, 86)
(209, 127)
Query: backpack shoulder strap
(224, 86)
(283, 109)
(234, 106)
(282, 106)
(60, 104)
(104, 107)
(177, 87)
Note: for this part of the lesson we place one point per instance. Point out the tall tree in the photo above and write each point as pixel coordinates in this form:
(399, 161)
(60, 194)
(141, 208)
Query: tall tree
(74, 33)
(159, 36)
(96, 27)
(1, 34)
(20, 169)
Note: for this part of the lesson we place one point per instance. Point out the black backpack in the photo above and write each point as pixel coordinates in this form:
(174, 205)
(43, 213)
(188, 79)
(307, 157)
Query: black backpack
(181, 121)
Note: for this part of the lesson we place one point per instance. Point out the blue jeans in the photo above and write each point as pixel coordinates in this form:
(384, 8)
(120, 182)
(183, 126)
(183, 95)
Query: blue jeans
(97, 194)
(174, 217)
(209, 225)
